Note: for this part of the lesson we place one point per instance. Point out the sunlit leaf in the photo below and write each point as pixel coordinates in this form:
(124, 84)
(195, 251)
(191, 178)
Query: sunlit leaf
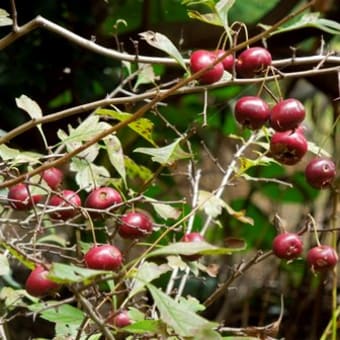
(190, 248)
(16, 156)
(142, 126)
(16, 253)
(13, 298)
(222, 9)
(4, 18)
(144, 326)
(134, 170)
(166, 155)
(29, 105)
(191, 303)
(4, 265)
(116, 156)
(184, 322)
(146, 75)
(66, 274)
(163, 43)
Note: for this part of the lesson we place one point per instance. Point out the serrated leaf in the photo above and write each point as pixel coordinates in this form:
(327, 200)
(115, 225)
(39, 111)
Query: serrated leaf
(29, 105)
(144, 326)
(191, 248)
(163, 43)
(184, 322)
(147, 272)
(166, 155)
(4, 265)
(142, 126)
(116, 156)
(146, 75)
(134, 170)
(89, 175)
(4, 18)
(191, 303)
(66, 274)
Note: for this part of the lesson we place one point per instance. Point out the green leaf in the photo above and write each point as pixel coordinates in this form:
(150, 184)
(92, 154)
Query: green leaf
(116, 156)
(146, 75)
(146, 273)
(29, 105)
(239, 338)
(88, 174)
(164, 210)
(190, 248)
(66, 274)
(166, 155)
(164, 44)
(222, 9)
(134, 170)
(191, 303)
(209, 18)
(53, 238)
(17, 157)
(184, 322)
(14, 298)
(4, 265)
(4, 18)
(144, 326)
(141, 126)
(18, 255)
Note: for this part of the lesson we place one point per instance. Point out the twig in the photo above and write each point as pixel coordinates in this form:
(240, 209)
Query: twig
(15, 26)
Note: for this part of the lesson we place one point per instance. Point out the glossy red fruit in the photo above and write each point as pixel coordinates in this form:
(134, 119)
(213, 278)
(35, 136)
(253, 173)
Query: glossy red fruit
(192, 237)
(288, 147)
(66, 199)
(104, 257)
(103, 198)
(287, 246)
(320, 172)
(322, 258)
(287, 115)
(135, 225)
(252, 61)
(53, 177)
(200, 59)
(252, 112)
(121, 319)
(227, 62)
(20, 199)
(37, 283)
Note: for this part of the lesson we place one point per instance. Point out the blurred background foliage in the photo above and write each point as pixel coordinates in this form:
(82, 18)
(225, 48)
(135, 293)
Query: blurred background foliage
(60, 75)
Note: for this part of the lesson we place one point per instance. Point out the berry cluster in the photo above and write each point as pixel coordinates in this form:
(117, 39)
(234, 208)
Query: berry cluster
(65, 204)
(252, 61)
(289, 246)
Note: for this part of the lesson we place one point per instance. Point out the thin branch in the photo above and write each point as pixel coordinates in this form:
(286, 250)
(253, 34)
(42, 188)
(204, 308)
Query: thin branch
(15, 26)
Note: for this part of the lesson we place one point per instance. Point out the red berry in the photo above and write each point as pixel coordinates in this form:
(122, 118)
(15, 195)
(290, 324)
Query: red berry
(252, 61)
(320, 172)
(20, 199)
(201, 59)
(66, 199)
(252, 112)
(288, 147)
(103, 198)
(104, 257)
(287, 115)
(287, 246)
(322, 258)
(121, 319)
(53, 177)
(227, 62)
(192, 237)
(37, 283)
(135, 225)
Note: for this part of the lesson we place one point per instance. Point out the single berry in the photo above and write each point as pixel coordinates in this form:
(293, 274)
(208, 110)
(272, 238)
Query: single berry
(192, 237)
(287, 246)
(322, 258)
(53, 177)
(252, 61)
(199, 60)
(104, 257)
(227, 62)
(135, 225)
(288, 147)
(320, 172)
(20, 198)
(68, 201)
(121, 319)
(252, 112)
(287, 115)
(103, 198)
(37, 283)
